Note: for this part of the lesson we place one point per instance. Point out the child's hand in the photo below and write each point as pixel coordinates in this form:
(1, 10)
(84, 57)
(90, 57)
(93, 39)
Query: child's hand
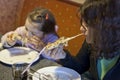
(35, 43)
(12, 38)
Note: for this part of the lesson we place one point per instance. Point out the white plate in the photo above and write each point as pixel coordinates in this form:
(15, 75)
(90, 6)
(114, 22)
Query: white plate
(1, 47)
(18, 55)
(56, 73)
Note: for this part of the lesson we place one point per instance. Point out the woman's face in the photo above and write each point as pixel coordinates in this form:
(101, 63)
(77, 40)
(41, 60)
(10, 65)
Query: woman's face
(33, 29)
(87, 31)
(84, 28)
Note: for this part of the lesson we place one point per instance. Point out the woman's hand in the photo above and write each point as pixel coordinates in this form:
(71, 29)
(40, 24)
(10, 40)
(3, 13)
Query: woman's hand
(55, 54)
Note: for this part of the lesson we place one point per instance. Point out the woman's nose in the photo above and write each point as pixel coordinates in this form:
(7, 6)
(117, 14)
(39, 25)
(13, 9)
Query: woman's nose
(82, 29)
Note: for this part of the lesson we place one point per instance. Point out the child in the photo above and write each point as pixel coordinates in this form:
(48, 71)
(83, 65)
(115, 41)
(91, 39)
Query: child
(39, 29)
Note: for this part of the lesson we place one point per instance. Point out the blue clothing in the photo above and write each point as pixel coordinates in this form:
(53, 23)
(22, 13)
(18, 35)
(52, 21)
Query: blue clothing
(50, 38)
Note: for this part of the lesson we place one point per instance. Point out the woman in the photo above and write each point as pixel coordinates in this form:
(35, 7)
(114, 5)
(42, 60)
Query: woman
(39, 29)
(100, 52)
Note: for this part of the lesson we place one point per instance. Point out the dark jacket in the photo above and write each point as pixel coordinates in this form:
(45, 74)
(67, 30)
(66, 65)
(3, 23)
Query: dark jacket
(86, 60)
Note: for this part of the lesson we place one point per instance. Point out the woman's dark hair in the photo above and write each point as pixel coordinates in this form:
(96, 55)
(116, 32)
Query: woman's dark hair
(45, 18)
(104, 17)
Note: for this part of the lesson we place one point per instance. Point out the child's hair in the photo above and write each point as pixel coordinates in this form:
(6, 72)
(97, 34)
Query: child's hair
(45, 18)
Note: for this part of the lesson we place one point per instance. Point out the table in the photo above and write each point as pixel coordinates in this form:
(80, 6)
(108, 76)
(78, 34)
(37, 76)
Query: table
(6, 70)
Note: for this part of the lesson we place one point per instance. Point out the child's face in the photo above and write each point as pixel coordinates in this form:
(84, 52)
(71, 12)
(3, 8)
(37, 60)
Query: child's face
(33, 29)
